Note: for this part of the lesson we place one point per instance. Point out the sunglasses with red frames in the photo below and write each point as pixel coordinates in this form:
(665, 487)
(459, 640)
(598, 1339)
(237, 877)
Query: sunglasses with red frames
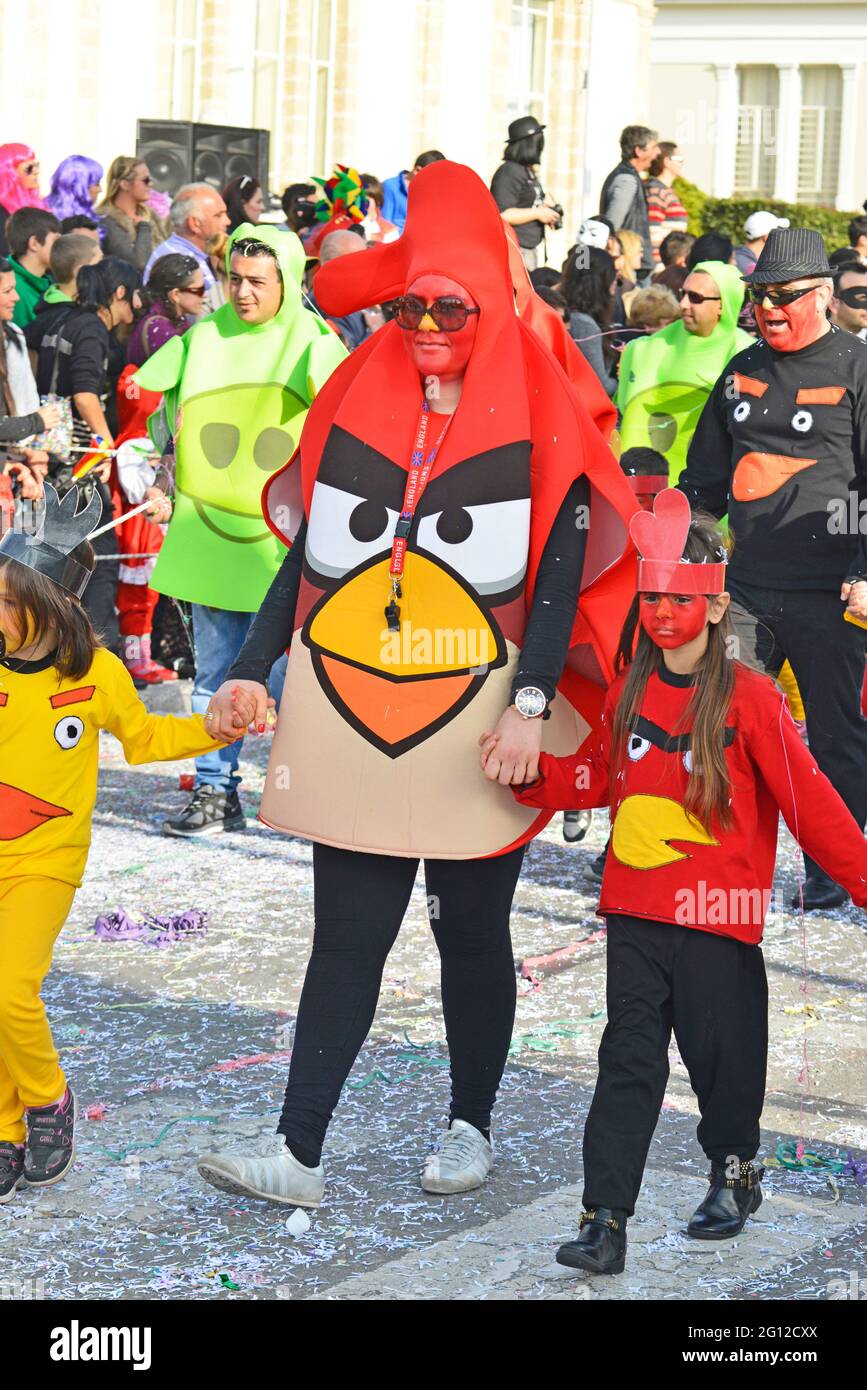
(448, 312)
(695, 298)
(199, 291)
(759, 293)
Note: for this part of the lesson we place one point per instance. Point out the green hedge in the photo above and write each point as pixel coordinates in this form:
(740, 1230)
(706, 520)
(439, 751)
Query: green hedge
(707, 214)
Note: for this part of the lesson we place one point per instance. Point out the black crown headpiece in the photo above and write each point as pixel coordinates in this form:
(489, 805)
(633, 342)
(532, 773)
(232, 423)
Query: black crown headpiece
(49, 549)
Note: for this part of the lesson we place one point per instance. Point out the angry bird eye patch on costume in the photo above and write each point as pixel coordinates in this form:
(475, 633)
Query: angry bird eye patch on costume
(820, 395)
(646, 732)
(80, 695)
(749, 386)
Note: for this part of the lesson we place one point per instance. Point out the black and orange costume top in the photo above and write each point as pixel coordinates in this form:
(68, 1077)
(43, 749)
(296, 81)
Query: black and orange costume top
(662, 861)
(781, 444)
(376, 745)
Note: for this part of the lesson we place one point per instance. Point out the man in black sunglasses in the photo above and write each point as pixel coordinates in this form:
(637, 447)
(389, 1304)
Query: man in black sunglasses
(781, 446)
(849, 300)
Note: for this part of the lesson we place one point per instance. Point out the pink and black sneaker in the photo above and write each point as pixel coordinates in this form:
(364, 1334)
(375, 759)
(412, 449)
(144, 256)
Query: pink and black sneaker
(50, 1148)
(11, 1169)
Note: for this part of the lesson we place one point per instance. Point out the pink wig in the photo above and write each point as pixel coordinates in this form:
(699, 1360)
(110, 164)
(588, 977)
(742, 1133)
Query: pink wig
(13, 194)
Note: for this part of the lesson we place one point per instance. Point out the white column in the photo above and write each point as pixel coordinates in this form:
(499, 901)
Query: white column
(846, 199)
(725, 136)
(788, 133)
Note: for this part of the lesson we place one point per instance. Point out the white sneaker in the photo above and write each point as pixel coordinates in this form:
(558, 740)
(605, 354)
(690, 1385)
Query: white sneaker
(463, 1161)
(277, 1178)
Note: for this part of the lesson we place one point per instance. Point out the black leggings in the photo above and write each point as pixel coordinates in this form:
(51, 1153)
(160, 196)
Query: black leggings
(360, 901)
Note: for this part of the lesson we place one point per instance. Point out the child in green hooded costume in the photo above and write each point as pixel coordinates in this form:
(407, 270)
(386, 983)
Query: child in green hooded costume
(236, 395)
(666, 377)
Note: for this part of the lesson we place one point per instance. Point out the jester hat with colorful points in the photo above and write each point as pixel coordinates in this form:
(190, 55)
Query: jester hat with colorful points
(49, 549)
(660, 537)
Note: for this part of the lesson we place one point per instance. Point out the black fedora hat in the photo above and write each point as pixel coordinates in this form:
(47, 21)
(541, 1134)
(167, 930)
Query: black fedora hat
(790, 253)
(522, 127)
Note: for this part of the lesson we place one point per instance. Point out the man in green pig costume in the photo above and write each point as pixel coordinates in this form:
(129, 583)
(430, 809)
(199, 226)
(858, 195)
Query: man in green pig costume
(237, 387)
(666, 377)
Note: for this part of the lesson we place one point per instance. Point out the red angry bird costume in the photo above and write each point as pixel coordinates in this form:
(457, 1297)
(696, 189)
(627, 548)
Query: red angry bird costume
(379, 730)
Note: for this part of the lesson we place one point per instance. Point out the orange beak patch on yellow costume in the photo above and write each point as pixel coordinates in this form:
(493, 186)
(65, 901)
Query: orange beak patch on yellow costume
(760, 475)
(20, 812)
(645, 827)
(398, 687)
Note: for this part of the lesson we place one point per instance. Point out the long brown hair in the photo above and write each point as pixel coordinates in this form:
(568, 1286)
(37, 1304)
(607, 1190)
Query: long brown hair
(708, 790)
(48, 607)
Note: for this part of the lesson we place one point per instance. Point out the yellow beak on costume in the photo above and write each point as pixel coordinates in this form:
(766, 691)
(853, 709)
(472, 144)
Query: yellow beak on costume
(398, 683)
(645, 826)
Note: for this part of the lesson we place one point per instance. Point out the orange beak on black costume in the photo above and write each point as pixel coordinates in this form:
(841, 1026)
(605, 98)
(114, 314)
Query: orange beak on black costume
(519, 438)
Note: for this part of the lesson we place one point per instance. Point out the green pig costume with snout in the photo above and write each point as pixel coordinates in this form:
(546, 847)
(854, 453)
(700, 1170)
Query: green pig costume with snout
(235, 398)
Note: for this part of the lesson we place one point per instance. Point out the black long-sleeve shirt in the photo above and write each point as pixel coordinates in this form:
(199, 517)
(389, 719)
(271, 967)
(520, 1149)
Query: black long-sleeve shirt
(549, 625)
(781, 445)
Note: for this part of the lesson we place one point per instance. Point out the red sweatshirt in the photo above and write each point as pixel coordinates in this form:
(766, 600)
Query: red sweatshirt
(665, 865)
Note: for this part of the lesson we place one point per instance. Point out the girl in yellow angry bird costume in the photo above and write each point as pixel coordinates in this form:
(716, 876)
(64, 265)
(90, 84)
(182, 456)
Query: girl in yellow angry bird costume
(58, 688)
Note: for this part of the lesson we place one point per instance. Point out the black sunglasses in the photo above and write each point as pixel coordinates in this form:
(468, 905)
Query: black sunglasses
(448, 312)
(759, 293)
(695, 298)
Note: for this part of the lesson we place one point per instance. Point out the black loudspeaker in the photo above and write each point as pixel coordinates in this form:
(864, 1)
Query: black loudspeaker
(179, 152)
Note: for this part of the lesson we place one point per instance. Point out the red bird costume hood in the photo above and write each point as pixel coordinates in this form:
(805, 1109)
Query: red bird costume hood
(519, 438)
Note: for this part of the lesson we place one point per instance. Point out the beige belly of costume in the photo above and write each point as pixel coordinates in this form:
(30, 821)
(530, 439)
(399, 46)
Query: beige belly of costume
(327, 783)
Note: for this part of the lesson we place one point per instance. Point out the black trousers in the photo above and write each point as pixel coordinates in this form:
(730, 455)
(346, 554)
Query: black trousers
(712, 991)
(827, 656)
(359, 904)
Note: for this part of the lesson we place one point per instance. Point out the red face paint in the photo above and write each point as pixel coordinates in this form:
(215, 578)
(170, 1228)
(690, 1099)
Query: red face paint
(671, 620)
(438, 354)
(790, 327)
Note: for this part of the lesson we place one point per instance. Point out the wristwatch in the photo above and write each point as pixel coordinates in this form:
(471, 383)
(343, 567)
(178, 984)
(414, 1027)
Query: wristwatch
(532, 703)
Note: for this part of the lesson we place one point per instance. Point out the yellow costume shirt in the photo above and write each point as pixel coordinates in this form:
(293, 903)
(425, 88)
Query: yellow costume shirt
(49, 755)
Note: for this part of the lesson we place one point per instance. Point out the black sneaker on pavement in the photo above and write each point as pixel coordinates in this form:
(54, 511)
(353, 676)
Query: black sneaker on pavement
(209, 811)
(11, 1169)
(50, 1148)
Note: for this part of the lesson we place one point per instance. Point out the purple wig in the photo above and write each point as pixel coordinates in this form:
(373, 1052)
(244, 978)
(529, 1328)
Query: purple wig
(70, 186)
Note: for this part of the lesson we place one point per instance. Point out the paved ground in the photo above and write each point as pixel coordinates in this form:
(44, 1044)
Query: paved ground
(185, 1048)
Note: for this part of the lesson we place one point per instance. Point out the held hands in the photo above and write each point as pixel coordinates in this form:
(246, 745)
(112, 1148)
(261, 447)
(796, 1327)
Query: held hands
(546, 214)
(856, 598)
(510, 755)
(239, 706)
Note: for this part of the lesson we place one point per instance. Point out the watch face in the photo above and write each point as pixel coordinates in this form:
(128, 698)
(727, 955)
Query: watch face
(530, 702)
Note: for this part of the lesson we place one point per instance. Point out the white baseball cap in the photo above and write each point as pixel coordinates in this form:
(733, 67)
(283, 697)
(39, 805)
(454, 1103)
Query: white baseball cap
(593, 233)
(760, 223)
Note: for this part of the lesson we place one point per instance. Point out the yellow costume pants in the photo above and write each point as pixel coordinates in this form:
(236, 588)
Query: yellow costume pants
(32, 911)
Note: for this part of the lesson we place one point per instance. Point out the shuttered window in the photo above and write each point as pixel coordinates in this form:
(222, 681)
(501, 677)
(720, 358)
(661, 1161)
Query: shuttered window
(819, 154)
(758, 110)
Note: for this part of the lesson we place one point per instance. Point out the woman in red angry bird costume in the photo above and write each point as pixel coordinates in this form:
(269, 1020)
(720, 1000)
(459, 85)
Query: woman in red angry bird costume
(450, 496)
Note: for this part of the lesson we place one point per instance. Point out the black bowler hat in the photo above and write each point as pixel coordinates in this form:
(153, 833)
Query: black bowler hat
(790, 253)
(522, 127)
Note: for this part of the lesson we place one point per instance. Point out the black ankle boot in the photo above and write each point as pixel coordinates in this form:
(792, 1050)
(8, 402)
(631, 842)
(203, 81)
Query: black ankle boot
(821, 893)
(600, 1246)
(728, 1203)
